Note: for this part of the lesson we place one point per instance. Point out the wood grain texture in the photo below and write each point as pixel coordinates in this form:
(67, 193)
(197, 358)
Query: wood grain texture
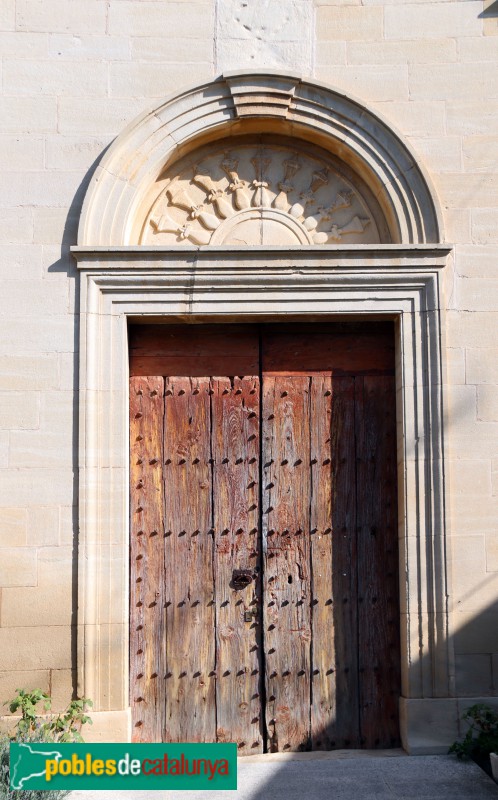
(147, 611)
(318, 666)
(190, 651)
(378, 597)
(235, 448)
(194, 350)
(328, 352)
(286, 564)
(334, 700)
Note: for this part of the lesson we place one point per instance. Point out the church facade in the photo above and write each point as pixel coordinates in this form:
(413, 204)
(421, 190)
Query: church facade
(249, 417)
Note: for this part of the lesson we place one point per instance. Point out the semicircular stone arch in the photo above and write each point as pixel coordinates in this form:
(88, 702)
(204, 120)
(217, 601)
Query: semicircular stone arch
(259, 158)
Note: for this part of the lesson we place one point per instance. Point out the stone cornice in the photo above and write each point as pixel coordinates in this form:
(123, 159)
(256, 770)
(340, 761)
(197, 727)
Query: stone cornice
(326, 256)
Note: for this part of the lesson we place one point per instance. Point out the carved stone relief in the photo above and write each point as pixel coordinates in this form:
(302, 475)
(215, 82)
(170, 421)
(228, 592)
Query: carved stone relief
(259, 194)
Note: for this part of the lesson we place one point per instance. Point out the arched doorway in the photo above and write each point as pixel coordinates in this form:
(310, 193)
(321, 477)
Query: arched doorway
(378, 259)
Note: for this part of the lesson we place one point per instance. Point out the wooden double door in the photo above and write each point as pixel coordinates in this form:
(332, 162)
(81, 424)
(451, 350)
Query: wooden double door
(264, 559)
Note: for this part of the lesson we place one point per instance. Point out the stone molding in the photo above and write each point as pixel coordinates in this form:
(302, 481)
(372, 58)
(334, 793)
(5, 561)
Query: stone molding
(223, 284)
(240, 103)
(126, 274)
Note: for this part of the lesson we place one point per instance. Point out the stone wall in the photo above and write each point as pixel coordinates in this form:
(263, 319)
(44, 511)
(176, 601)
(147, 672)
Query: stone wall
(74, 73)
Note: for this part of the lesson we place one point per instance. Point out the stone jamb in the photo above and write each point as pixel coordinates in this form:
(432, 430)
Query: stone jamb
(194, 285)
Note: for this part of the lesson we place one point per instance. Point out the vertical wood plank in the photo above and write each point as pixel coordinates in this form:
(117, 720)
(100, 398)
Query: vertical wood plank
(286, 517)
(378, 599)
(147, 613)
(190, 674)
(235, 447)
(334, 699)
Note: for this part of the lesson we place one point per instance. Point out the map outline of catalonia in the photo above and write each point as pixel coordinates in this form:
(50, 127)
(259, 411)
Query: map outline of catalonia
(55, 754)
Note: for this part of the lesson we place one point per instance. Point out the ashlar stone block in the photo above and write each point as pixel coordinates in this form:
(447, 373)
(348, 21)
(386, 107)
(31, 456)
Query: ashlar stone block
(473, 674)
(47, 604)
(192, 20)
(13, 530)
(25, 114)
(20, 259)
(22, 679)
(19, 410)
(492, 555)
(4, 448)
(487, 403)
(36, 648)
(8, 15)
(22, 151)
(431, 21)
(482, 365)
(63, 682)
(43, 526)
(349, 23)
(61, 16)
(468, 115)
(74, 79)
(16, 225)
(18, 567)
(484, 225)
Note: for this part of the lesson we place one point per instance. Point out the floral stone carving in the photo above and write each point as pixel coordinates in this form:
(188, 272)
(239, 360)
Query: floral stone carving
(265, 194)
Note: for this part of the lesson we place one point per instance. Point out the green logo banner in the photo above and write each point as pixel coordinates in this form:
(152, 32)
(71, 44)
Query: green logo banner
(53, 766)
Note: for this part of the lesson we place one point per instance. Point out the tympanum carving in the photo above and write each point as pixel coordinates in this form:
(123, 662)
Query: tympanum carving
(264, 193)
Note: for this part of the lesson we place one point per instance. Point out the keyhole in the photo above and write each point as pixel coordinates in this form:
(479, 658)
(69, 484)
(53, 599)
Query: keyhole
(289, 579)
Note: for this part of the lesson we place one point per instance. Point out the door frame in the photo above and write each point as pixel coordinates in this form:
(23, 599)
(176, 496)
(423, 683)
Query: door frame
(399, 282)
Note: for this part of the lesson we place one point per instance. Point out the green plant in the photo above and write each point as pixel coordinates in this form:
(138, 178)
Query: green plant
(64, 727)
(35, 727)
(481, 738)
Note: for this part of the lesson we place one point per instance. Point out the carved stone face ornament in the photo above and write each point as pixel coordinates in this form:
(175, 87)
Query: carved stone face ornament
(258, 195)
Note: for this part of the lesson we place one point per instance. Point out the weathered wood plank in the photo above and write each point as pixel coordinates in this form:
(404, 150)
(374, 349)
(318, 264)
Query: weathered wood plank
(147, 612)
(196, 351)
(235, 448)
(327, 353)
(334, 698)
(378, 599)
(286, 617)
(190, 675)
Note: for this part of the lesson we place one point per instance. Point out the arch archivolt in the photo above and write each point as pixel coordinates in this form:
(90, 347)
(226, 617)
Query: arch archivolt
(354, 143)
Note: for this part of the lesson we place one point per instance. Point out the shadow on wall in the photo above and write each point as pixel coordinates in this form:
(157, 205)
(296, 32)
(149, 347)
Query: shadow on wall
(491, 11)
(68, 265)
